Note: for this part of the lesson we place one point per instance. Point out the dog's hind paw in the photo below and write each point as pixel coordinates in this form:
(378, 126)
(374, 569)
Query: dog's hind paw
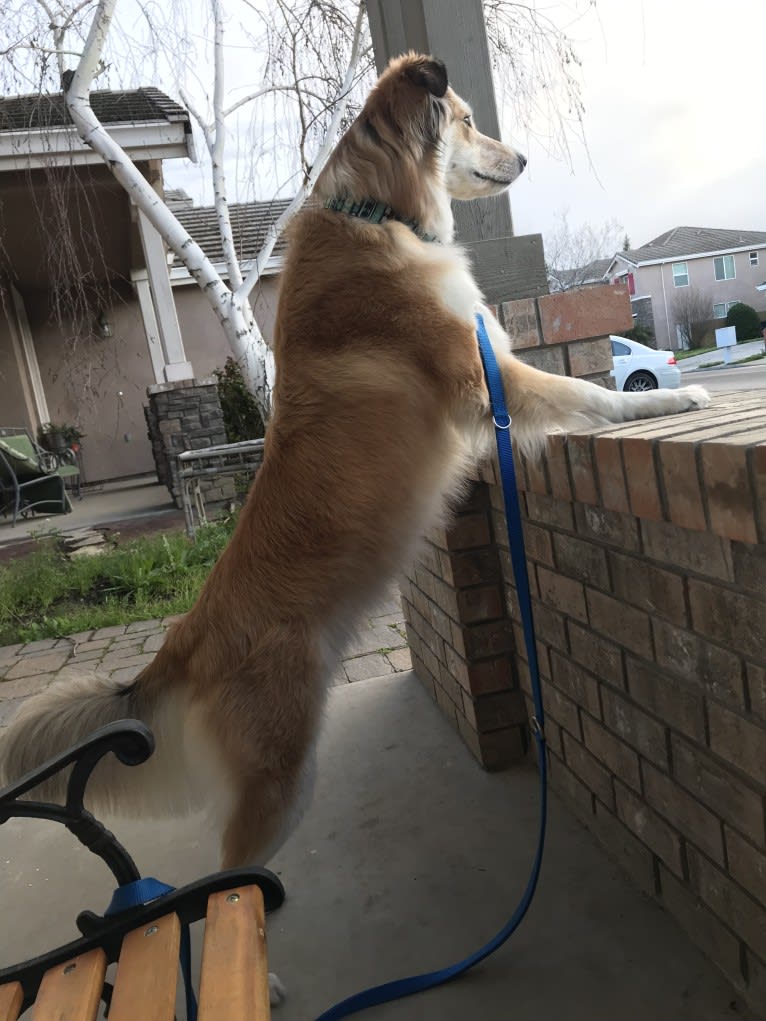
(277, 991)
(694, 398)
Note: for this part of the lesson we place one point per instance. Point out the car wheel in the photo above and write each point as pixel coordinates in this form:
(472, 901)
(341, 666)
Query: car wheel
(639, 382)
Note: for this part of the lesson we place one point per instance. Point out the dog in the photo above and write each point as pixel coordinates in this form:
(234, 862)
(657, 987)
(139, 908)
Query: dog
(380, 406)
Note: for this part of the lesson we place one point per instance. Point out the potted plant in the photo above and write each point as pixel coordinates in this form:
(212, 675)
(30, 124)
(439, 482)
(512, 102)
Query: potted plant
(58, 438)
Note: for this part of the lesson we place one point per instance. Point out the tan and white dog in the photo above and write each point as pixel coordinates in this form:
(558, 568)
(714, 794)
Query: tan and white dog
(380, 404)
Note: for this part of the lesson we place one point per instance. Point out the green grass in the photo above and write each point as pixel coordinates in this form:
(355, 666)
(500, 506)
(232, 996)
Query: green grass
(751, 358)
(680, 355)
(49, 595)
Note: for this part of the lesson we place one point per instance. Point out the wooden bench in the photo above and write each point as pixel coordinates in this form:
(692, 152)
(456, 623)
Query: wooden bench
(69, 983)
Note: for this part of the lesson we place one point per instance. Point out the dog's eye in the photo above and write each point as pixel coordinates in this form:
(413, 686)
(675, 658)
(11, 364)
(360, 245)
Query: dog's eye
(468, 119)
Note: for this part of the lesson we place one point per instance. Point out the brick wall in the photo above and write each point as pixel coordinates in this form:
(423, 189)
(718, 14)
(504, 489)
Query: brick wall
(648, 566)
(646, 546)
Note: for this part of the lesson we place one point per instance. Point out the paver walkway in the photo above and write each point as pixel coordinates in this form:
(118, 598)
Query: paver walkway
(122, 652)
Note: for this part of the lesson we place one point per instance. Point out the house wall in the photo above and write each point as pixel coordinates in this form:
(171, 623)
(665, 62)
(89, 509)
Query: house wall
(13, 406)
(101, 385)
(649, 280)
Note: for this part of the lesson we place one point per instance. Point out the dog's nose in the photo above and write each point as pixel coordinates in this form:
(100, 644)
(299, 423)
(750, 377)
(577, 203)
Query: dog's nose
(522, 160)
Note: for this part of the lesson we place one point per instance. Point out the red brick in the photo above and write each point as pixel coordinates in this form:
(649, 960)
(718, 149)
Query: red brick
(562, 594)
(561, 709)
(678, 465)
(609, 527)
(571, 788)
(649, 827)
(490, 675)
(589, 312)
(738, 741)
(750, 567)
(699, 922)
(649, 588)
(734, 620)
(756, 686)
(423, 674)
(585, 561)
(623, 624)
(550, 626)
(549, 511)
(475, 499)
(727, 485)
(629, 852)
(607, 454)
(716, 671)
(697, 552)
(589, 770)
(496, 712)
(641, 473)
(728, 901)
(576, 683)
(558, 470)
(519, 319)
(681, 709)
(496, 750)
(758, 468)
(633, 726)
(719, 788)
(478, 604)
(485, 640)
(472, 567)
(538, 544)
(469, 531)
(747, 865)
(452, 689)
(620, 759)
(684, 812)
(598, 654)
(535, 476)
(582, 469)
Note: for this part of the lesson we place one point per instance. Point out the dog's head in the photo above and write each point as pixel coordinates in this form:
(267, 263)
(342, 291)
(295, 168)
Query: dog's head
(414, 99)
(414, 145)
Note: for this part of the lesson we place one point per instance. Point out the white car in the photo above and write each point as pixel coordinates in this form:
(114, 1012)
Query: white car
(638, 367)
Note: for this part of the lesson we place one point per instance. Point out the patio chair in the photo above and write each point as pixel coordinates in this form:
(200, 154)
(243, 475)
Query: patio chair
(145, 928)
(32, 479)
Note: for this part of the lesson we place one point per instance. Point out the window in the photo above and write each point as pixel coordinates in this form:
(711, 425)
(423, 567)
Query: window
(721, 310)
(724, 267)
(619, 349)
(680, 274)
(754, 258)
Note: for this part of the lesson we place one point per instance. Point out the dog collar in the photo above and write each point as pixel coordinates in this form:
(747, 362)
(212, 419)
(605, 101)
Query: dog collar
(376, 212)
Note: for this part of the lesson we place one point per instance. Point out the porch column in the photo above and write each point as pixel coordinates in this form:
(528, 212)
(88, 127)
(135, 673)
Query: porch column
(176, 367)
(156, 354)
(26, 360)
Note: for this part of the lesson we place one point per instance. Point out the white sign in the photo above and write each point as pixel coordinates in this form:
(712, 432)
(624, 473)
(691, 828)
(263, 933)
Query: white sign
(726, 336)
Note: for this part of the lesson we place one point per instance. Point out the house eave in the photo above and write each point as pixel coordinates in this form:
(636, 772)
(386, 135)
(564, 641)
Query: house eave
(181, 277)
(697, 255)
(60, 145)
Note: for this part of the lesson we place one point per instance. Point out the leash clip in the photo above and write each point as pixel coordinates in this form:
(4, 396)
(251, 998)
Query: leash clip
(502, 424)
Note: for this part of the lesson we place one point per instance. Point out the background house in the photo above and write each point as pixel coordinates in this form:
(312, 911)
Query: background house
(710, 268)
(93, 309)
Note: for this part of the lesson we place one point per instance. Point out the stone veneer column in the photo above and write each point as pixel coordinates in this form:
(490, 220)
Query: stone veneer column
(186, 415)
(459, 600)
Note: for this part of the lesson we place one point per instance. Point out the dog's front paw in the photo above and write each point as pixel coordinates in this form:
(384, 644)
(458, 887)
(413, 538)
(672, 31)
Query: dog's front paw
(694, 398)
(277, 991)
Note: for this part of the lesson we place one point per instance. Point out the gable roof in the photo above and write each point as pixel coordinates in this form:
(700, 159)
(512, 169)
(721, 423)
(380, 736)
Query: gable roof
(250, 222)
(19, 113)
(682, 241)
(592, 273)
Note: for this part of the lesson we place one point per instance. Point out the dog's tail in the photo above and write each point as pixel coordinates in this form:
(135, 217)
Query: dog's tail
(71, 709)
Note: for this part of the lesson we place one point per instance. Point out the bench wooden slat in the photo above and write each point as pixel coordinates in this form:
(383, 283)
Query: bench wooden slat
(147, 973)
(72, 991)
(235, 977)
(11, 996)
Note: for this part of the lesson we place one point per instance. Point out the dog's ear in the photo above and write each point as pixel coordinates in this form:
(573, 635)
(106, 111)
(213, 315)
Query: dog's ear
(428, 73)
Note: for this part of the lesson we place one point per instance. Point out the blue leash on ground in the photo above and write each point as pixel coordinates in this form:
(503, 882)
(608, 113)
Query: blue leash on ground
(418, 983)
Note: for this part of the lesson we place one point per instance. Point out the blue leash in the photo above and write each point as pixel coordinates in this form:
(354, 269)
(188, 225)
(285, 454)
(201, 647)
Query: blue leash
(417, 983)
(140, 892)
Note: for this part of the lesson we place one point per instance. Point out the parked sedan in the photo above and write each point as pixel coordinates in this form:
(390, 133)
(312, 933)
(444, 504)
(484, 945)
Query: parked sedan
(638, 367)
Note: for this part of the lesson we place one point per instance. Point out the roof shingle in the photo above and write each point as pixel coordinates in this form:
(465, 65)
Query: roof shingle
(19, 113)
(250, 222)
(681, 241)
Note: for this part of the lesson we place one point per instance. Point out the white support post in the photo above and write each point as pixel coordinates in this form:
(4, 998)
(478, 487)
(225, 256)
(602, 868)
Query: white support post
(28, 364)
(151, 329)
(176, 366)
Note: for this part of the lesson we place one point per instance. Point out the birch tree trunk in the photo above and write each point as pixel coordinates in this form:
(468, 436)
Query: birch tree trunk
(230, 303)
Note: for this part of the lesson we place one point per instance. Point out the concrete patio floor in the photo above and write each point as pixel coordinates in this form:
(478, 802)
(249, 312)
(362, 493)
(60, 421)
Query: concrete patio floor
(408, 858)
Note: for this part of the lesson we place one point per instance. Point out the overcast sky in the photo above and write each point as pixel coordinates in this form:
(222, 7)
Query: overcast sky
(675, 120)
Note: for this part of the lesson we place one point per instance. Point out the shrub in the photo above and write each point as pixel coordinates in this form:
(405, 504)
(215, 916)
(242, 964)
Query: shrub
(241, 417)
(641, 335)
(746, 320)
